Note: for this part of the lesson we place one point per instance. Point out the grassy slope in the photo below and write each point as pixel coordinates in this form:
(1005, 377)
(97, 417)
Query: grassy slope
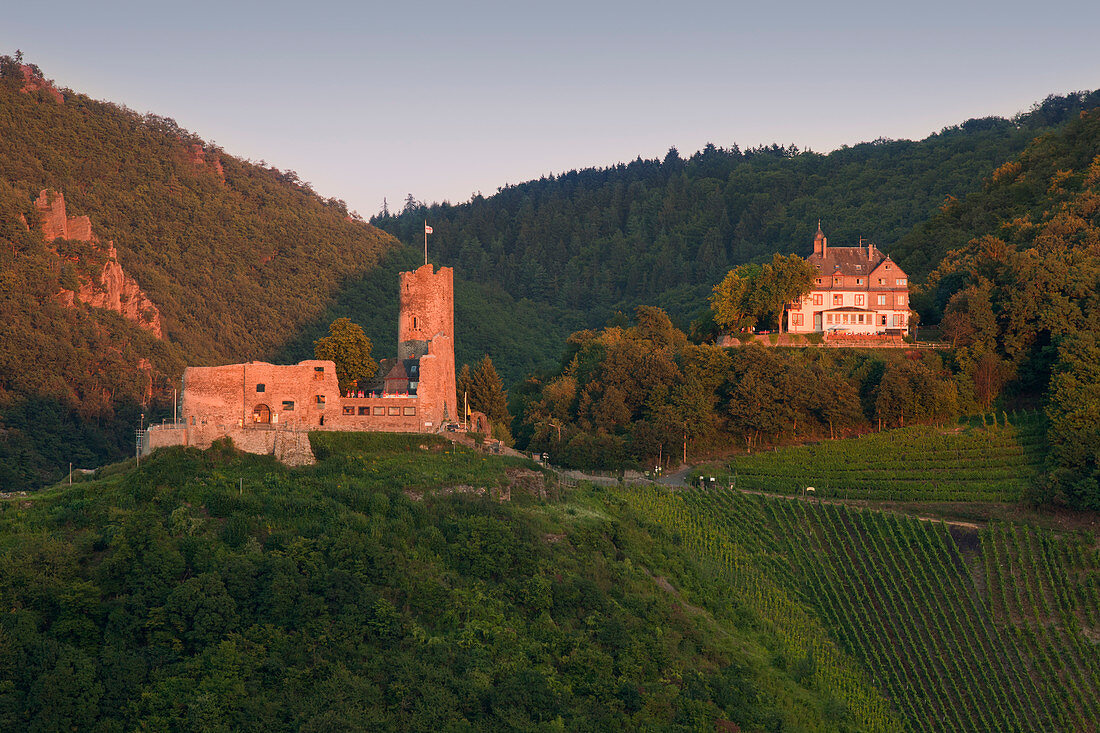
(971, 461)
(327, 598)
(962, 630)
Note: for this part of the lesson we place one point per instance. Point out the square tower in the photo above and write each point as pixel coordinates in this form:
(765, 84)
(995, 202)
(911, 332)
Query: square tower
(425, 331)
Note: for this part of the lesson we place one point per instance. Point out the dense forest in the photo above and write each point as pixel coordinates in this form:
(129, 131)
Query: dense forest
(641, 393)
(218, 591)
(1021, 297)
(587, 243)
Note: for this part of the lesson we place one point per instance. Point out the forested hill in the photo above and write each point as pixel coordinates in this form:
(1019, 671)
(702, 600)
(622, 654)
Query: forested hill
(661, 232)
(400, 584)
(1021, 292)
(237, 257)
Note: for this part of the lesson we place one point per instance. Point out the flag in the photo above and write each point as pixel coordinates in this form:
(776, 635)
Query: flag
(427, 229)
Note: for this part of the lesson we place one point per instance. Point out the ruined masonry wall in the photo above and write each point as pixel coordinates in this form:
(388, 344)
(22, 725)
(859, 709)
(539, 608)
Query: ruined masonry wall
(217, 400)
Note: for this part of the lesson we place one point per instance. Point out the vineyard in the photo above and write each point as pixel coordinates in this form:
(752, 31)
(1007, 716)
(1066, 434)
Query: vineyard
(912, 625)
(988, 459)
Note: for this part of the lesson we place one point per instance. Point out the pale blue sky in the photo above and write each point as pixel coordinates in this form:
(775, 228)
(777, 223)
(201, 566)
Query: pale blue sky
(442, 100)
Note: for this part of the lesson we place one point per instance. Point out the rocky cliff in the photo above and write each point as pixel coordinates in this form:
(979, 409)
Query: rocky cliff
(110, 287)
(198, 159)
(33, 82)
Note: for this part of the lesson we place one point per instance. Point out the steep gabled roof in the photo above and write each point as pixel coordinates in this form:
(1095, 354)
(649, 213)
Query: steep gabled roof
(848, 261)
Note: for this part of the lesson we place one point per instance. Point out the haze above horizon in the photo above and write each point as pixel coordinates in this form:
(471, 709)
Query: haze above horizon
(367, 101)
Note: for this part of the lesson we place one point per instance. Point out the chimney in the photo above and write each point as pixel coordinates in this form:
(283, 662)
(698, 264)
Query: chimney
(871, 251)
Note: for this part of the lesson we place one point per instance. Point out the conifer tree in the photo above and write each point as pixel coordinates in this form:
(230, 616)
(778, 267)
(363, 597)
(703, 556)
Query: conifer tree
(486, 394)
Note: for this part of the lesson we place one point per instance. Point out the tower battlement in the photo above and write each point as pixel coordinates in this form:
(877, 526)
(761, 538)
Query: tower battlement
(426, 309)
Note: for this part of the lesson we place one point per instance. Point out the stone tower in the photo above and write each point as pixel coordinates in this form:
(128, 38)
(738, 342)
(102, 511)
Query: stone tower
(425, 331)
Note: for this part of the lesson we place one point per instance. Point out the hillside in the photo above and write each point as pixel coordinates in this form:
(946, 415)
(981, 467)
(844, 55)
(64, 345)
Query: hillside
(994, 458)
(102, 207)
(587, 243)
(171, 251)
(405, 583)
(387, 587)
(962, 629)
(1019, 292)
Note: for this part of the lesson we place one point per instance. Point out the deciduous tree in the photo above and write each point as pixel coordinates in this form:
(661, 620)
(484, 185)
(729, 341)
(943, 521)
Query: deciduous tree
(349, 348)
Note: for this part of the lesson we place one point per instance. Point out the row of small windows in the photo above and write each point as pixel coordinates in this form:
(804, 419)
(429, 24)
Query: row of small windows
(852, 319)
(882, 281)
(380, 411)
(855, 319)
(859, 299)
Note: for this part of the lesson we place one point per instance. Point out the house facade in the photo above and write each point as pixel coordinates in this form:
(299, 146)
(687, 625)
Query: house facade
(857, 291)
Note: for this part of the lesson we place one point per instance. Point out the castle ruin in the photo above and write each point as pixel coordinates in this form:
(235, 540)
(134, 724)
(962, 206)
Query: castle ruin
(270, 408)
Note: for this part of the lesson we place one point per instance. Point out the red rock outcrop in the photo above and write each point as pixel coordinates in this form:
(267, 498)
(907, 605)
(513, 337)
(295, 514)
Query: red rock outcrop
(32, 82)
(198, 159)
(112, 289)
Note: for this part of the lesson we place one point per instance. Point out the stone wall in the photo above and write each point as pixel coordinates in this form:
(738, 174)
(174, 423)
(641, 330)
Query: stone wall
(383, 414)
(259, 397)
(162, 436)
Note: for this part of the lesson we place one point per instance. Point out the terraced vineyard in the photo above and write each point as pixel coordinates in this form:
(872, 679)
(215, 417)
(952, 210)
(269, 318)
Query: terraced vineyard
(913, 626)
(992, 459)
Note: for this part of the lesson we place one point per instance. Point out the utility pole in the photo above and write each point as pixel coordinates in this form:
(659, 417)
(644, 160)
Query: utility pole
(140, 438)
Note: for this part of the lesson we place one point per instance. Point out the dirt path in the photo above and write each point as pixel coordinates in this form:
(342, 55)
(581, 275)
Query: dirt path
(669, 588)
(678, 479)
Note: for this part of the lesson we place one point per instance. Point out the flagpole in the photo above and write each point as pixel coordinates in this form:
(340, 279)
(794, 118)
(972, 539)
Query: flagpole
(425, 241)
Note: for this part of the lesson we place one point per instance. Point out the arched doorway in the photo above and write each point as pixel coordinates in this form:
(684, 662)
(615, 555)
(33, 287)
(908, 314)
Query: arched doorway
(261, 414)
